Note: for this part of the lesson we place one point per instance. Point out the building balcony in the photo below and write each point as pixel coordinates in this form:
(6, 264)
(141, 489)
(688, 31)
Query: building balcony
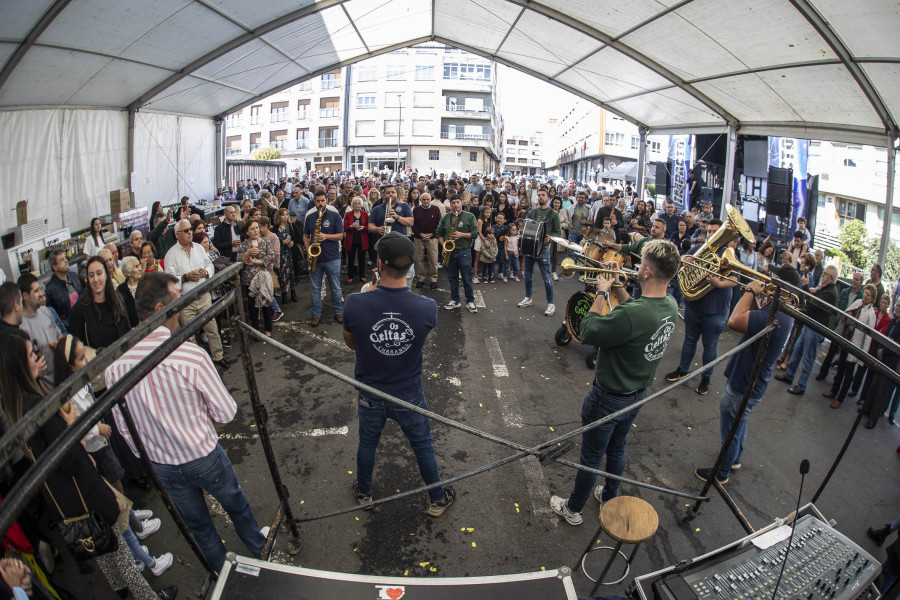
(331, 84)
(458, 135)
(461, 111)
(232, 123)
(232, 151)
(278, 117)
(302, 144)
(254, 147)
(279, 144)
(329, 142)
(304, 115)
(329, 113)
(255, 119)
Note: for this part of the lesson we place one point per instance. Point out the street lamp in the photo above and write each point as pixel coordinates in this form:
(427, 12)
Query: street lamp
(399, 126)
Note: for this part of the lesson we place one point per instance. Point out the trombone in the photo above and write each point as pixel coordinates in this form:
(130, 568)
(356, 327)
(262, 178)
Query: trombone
(729, 264)
(568, 268)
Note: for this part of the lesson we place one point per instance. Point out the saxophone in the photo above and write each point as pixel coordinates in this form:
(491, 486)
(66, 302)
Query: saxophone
(315, 249)
(388, 220)
(450, 243)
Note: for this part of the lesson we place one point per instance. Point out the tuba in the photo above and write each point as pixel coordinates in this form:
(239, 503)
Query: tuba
(315, 249)
(692, 276)
(450, 243)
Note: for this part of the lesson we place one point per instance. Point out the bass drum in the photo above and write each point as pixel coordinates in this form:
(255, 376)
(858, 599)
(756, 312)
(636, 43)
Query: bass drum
(532, 238)
(576, 309)
(593, 249)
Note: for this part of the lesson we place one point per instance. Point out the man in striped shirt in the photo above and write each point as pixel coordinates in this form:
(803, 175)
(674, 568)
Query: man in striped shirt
(174, 410)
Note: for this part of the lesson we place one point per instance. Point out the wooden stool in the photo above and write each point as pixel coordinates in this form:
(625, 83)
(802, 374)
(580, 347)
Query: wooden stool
(627, 520)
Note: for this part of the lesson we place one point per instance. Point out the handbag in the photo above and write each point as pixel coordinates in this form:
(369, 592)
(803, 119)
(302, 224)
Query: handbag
(87, 536)
(275, 284)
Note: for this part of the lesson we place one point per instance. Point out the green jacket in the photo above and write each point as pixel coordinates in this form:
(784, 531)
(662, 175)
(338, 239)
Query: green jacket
(467, 223)
(163, 237)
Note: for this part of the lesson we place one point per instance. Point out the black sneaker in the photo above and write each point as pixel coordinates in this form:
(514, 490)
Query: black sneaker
(704, 475)
(675, 375)
(703, 388)
(168, 593)
(222, 363)
(437, 508)
(362, 498)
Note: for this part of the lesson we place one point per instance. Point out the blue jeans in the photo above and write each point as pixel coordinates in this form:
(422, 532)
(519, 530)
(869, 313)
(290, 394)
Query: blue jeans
(333, 270)
(544, 264)
(460, 264)
(502, 267)
(698, 324)
(373, 414)
(728, 411)
(513, 264)
(608, 439)
(185, 485)
(135, 546)
(275, 307)
(805, 349)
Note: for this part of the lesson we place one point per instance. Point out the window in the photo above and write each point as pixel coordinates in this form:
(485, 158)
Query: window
(434, 155)
(392, 128)
(511, 142)
(303, 109)
(881, 168)
(523, 142)
(254, 141)
(895, 216)
(305, 86)
(331, 80)
(329, 107)
(392, 99)
(615, 139)
(523, 161)
(849, 210)
(467, 72)
(365, 128)
(395, 73)
(365, 101)
(635, 142)
(422, 126)
(233, 120)
(424, 72)
(302, 139)
(849, 162)
(473, 157)
(655, 147)
(367, 73)
(328, 137)
(423, 99)
(278, 139)
(232, 145)
(278, 112)
(254, 114)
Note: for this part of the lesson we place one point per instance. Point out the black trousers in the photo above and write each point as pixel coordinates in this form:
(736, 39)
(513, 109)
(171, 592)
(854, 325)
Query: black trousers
(254, 313)
(356, 255)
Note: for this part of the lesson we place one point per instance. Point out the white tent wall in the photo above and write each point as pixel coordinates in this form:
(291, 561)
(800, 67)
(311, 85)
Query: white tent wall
(174, 156)
(64, 162)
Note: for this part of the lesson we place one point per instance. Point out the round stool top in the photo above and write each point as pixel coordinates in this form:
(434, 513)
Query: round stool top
(628, 519)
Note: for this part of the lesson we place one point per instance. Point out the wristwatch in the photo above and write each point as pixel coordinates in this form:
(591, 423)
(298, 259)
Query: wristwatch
(602, 293)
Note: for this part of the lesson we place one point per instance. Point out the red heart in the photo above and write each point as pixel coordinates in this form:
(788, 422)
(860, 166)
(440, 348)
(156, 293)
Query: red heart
(394, 593)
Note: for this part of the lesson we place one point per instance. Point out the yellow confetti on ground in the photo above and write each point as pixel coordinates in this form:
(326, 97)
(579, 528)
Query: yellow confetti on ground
(302, 501)
(462, 528)
(543, 568)
(406, 573)
(690, 428)
(480, 405)
(253, 425)
(516, 504)
(473, 545)
(517, 510)
(398, 491)
(357, 518)
(424, 564)
(433, 569)
(355, 549)
(482, 376)
(633, 425)
(470, 529)
(551, 429)
(698, 529)
(349, 472)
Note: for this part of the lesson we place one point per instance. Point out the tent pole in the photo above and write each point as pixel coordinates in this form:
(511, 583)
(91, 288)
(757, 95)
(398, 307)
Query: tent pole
(130, 150)
(889, 200)
(728, 177)
(639, 179)
(220, 152)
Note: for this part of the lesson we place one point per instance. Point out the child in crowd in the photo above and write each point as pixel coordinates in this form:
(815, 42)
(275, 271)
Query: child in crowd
(484, 223)
(500, 230)
(488, 254)
(607, 227)
(706, 214)
(801, 227)
(512, 252)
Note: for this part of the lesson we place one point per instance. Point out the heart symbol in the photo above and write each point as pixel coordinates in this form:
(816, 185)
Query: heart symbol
(394, 593)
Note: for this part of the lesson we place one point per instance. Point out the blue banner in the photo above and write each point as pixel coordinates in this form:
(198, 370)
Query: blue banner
(791, 153)
(679, 163)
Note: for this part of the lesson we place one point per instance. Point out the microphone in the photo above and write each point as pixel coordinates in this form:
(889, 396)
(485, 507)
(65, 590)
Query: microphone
(804, 469)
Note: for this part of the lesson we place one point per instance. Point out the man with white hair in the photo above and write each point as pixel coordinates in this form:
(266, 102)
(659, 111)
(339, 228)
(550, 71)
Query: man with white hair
(135, 241)
(190, 263)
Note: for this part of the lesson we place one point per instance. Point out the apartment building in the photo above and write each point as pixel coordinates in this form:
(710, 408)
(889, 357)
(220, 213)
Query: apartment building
(589, 140)
(524, 154)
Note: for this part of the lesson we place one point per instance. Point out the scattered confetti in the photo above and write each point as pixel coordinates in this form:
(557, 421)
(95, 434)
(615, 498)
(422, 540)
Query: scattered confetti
(349, 472)
(543, 568)
(355, 549)
(433, 569)
(424, 564)
(689, 428)
(698, 529)
(470, 529)
(480, 405)
(473, 545)
(357, 518)
(551, 429)
(406, 573)
(634, 425)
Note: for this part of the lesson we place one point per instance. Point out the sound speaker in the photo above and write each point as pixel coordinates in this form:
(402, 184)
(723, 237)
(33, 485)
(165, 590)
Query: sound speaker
(775, 192)
(663, 179)
(780, 176)
(778, 209)
(812, 204)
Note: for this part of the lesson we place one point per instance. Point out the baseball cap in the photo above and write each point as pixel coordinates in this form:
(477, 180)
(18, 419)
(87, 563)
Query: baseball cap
(393, 247)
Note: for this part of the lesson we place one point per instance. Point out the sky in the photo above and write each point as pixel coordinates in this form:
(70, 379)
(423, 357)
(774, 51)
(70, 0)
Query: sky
(527, 103)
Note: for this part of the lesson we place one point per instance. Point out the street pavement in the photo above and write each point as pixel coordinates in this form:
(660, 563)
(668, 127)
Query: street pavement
(501, 372)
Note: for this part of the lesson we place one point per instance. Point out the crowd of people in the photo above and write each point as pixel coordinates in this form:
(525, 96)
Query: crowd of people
(393, 235)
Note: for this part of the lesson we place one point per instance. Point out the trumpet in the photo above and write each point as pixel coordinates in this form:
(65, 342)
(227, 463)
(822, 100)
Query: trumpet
(568, 268)
(729, 264)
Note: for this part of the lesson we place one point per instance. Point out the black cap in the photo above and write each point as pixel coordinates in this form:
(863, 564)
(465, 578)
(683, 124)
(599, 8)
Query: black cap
(393, 247)
(789, 274)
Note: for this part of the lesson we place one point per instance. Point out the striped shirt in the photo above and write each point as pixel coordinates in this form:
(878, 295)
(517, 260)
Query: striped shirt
(175, 405)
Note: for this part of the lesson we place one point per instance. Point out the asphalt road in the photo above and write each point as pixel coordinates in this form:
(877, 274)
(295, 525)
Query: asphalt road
(500, 371)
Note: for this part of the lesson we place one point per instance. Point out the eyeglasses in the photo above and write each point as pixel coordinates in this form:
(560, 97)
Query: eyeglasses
(183, 231)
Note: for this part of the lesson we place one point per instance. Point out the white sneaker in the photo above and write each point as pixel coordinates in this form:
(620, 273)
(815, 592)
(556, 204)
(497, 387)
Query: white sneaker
(451, 305)
(151, 526)
(475, 280)
(517, 278)
(265, 531)
(525, 302)
(143, 514)
(598, 494)
(551, 308)
(555, 277)
(561, 507)
(504, 280)
(162, 564)
(471, 307)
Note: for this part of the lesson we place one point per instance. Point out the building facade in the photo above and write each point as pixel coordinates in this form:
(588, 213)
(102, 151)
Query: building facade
(434, 103)
(523, 154)
(428, 107)
(590, 140)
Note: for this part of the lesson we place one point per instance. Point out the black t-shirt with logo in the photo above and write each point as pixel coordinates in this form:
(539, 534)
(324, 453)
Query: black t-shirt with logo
(390, 326)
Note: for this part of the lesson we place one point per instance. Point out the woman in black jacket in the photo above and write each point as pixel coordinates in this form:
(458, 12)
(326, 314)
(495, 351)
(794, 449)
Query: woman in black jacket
(99, 317)
(133, 271)
(75, 477)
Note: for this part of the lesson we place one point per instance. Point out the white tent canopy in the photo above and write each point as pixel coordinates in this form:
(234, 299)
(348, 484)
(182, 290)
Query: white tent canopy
(822, 69)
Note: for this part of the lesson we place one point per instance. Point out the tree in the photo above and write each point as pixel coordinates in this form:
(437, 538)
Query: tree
(890, 270)
(852, 241)
(267, 153)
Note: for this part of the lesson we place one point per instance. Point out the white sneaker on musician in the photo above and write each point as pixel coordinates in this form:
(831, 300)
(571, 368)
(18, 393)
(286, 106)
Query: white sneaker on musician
(525, 302)
(555, 277)
(471, 307)
(551, 308)
(451, 305)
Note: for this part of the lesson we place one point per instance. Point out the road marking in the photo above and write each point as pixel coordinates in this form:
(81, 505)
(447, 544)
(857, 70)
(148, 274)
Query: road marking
(479, 299)
(493, 346)
(282, 435)
(510, 416)
(300, 327)
(537, 488)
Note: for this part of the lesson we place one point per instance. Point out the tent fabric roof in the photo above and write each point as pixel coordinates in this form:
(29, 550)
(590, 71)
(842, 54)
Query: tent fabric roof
(824, 69)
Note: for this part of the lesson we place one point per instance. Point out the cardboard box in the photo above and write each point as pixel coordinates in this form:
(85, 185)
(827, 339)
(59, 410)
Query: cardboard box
(22, 212)
(119, 201)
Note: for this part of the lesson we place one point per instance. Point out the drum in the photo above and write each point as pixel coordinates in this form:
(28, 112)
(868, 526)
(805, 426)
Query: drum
(532, 238)
(576, 309)
(592, 249)
(610, 255)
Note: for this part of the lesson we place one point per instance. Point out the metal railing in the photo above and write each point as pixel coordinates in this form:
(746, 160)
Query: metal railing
(446, 135)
